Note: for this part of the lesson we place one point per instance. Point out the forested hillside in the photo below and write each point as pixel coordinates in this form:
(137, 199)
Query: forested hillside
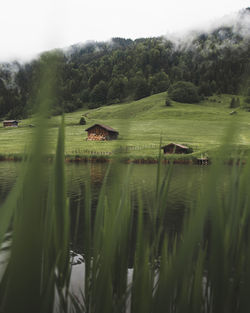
(96, 74)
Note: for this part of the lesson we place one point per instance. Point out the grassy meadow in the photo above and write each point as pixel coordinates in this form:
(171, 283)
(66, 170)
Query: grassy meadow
(140, 125)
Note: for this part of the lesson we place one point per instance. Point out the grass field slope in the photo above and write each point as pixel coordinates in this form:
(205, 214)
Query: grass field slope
(141, 124)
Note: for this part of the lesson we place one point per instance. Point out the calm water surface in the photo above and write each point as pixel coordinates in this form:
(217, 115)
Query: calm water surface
(186, 183)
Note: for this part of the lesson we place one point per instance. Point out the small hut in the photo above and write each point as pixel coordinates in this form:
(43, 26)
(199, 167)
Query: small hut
(175, 148)
(10, 123)
(101, 132)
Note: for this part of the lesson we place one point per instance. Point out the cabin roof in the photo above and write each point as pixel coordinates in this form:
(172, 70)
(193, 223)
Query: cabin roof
(10, 121)
(110, 129)
(174, 144)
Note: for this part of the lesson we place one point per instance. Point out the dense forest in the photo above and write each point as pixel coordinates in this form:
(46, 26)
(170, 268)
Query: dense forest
(105, 73)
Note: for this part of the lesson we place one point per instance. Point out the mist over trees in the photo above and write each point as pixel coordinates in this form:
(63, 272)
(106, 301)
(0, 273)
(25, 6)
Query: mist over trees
(105, 73)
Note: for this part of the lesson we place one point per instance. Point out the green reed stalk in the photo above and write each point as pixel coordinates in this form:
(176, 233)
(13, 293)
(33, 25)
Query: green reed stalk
(38, 259)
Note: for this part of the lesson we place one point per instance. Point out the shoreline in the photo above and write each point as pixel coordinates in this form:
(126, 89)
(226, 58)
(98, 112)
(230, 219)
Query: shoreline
(192, 160)
(129, 161)
(104, 159)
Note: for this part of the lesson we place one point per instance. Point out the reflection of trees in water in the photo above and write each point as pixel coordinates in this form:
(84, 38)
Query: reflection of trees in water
(8, 176)
(174, 213)
(173, 218)
(77, 204)
(4, 191)
(142, 179)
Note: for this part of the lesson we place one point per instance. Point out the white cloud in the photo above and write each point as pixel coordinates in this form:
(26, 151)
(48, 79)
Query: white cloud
(28, 27)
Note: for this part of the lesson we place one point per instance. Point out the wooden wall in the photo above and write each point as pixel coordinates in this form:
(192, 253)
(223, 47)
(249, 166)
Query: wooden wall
(99, 133)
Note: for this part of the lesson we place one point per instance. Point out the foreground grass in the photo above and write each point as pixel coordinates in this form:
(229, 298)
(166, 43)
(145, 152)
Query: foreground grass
(140, 125)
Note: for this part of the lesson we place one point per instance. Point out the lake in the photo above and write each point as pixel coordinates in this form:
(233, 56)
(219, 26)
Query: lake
(186, 183)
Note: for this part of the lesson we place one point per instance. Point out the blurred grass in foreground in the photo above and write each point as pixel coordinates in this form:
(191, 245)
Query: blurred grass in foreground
(203, 269)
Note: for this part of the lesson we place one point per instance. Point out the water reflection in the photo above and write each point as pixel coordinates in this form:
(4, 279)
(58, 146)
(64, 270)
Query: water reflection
(8, 175)
(185, 184)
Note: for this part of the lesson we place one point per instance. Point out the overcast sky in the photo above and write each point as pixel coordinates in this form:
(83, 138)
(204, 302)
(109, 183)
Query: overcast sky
(28, 27)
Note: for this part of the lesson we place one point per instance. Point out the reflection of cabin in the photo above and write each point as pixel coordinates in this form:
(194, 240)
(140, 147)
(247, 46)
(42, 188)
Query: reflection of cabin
(101, 132)
(10, 123)
(203, 161)
(175, 148)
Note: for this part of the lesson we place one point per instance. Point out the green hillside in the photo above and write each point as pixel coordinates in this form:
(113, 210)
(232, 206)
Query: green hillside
(140, 125)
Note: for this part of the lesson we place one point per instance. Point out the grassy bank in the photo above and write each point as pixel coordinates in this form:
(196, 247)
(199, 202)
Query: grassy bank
(140, 125)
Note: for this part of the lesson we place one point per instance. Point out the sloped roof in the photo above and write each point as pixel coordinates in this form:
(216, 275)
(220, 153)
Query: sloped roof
(110, 129)
(10, 121)
(175, 144)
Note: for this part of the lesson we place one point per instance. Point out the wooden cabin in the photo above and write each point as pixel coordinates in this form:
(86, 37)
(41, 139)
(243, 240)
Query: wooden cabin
(101, 132)
(10, 123)
(175, 148)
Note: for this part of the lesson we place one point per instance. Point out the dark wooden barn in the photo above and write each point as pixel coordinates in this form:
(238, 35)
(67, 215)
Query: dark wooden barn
(10, 123)
(175, 148)
(101, 132)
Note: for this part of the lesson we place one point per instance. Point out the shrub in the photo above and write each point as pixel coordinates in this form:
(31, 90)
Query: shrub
(233, 103)
(185, 92)
(82, 121)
